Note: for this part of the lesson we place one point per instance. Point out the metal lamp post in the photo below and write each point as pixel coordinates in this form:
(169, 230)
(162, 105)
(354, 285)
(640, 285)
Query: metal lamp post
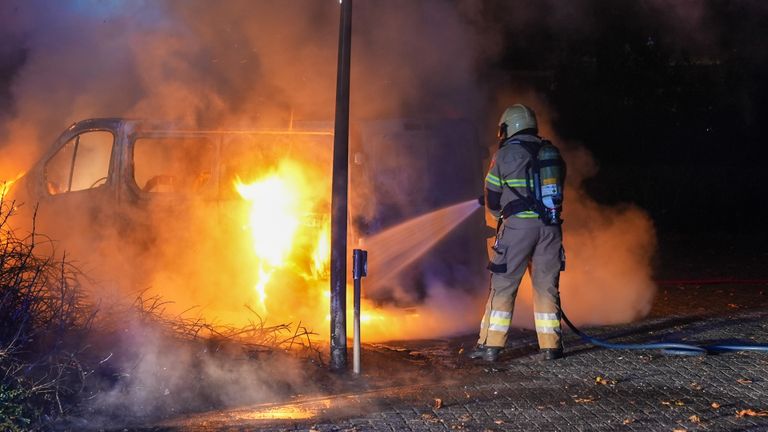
(339, 197)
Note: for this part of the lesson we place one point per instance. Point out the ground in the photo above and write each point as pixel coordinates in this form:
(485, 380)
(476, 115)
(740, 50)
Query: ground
(428, 385)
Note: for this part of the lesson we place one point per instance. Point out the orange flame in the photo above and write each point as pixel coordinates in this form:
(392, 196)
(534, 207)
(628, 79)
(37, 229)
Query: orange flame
(322, 255)
(273, 222)
(5, 185)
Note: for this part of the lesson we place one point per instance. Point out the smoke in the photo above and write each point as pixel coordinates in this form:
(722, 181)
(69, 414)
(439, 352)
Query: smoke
(247, 65)
(151, 374)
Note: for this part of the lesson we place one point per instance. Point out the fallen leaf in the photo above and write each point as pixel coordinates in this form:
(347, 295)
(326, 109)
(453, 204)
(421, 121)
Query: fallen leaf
(744, 381)
(588, 399)
(751, 413)
(677, 402)
(733, 306)
(696, 386)
(429, 418)
(679, 430)
(602, 381)
(695, 419)
(715, 405)
(628, 421)
(438, 403)
(499, 422)
(461, 351)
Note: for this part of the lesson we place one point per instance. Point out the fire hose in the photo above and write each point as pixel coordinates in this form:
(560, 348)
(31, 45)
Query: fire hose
(670, 348)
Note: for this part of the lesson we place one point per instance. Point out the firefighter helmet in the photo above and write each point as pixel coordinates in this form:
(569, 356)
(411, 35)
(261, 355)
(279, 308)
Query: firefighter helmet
(516, 118)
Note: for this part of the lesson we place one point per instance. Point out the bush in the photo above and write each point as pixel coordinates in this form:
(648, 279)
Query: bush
(14, 411)
(43, 321)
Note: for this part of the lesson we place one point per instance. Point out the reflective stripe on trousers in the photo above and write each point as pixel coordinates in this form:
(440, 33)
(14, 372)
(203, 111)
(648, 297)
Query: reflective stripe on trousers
(540, 247)
(547, 322)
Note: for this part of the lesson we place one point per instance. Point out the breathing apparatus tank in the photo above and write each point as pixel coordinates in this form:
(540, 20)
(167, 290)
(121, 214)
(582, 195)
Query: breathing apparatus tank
(548, 184)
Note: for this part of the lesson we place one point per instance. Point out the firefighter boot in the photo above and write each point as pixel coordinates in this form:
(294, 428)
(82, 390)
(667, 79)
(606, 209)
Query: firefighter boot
(489, 354)
(550, 354)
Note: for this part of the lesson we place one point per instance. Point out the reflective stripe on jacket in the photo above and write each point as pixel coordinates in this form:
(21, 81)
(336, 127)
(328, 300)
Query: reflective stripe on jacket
(508, 170)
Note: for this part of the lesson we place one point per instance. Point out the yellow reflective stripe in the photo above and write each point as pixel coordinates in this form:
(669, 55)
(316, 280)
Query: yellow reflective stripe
(515, 182)
(547, 323)
(527, 215)
(500, 321)
(492, 179)
(549, 181)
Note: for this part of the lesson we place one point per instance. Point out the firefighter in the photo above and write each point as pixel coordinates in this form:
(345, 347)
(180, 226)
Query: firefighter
(528, 234)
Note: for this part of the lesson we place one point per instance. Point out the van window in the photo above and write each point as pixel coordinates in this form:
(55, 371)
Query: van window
(82, 163)
(174, 164)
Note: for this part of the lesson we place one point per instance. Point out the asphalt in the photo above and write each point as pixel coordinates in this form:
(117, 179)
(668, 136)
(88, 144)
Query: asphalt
(430, 386)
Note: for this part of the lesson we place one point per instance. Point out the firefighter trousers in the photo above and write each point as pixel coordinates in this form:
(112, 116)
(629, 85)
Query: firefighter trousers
(537, 248)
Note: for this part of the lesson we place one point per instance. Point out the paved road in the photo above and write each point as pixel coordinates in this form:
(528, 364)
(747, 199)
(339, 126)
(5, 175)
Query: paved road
(427, 385)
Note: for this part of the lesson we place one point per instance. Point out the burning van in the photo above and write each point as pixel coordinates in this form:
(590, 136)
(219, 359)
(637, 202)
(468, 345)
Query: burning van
(148, 206)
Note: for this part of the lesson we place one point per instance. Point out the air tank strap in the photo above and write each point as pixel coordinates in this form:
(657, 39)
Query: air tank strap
(516, 206)
(521, 204)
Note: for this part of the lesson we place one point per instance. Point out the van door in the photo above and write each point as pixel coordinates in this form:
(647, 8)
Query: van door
(78, 200)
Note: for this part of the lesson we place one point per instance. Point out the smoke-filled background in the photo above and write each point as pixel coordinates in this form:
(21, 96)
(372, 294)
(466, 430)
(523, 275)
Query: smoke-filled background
(647, 101)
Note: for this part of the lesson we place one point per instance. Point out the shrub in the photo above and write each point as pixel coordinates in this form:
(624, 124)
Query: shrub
(43, 320)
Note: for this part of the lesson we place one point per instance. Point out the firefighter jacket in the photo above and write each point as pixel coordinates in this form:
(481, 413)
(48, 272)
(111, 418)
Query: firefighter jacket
(508, 170)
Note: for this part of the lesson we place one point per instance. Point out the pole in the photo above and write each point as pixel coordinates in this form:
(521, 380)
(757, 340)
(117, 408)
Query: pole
(359, 270)
(356, 330)
(339, 196)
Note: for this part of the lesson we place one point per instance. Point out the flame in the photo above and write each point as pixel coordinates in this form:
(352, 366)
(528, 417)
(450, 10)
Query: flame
(287, 240)
(274, 216)
(322, 255)
(5, 185)
(273, 222)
